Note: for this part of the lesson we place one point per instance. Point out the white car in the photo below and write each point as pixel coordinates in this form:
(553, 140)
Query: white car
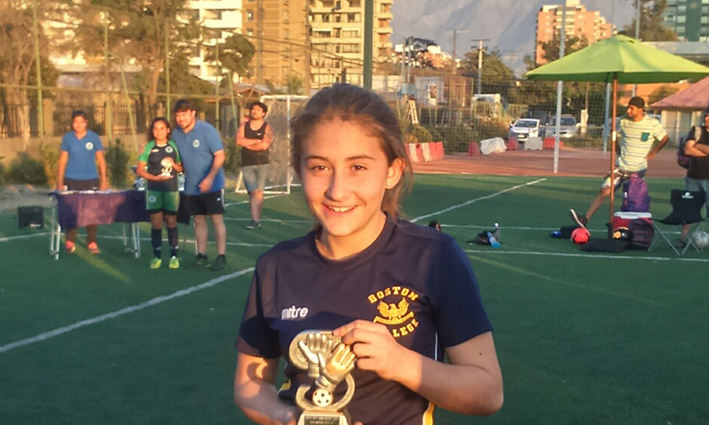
(524, 128)
(567, 129)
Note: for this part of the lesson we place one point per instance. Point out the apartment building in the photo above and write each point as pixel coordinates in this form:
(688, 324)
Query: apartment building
(277, 28)
(688, 18)
(579, 23)
(337, 39)
(224, 16)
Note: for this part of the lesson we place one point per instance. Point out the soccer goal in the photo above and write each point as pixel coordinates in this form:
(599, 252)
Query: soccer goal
(280, 176)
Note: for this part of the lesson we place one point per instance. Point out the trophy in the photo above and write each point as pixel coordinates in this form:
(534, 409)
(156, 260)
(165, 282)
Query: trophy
(328, 362)
(166, 167)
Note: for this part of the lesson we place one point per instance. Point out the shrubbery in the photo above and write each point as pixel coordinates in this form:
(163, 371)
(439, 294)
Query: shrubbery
(420, 134)
(232, 160)
(455, 137)
(118, 163)
(50, 162)
(25, 169)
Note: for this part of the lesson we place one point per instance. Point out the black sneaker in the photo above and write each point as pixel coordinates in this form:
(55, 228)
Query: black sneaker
(253, 225)
(200, 260)
(219, 263)
(581, 220)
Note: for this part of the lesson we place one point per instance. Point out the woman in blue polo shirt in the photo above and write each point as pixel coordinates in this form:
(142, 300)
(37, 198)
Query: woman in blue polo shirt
(81, 152)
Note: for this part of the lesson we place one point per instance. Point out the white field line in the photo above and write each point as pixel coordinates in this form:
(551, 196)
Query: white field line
(123, 311)
(590, 255)
(14, 238)
(246, 202)
(472, 201)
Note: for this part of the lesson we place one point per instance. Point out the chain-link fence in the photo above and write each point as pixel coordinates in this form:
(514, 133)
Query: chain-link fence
(473, 116)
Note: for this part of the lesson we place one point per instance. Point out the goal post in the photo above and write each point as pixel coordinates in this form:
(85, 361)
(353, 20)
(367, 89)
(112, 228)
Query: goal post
(281, 109)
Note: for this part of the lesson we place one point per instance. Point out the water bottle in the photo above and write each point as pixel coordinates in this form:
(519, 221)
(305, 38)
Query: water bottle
(493, 242)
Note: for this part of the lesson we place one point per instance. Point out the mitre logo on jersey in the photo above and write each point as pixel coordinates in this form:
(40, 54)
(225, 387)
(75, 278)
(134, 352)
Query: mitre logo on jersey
(393, 309)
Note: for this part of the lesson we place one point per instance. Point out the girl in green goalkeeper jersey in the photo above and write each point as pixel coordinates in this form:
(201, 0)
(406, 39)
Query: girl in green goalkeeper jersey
(159, 164)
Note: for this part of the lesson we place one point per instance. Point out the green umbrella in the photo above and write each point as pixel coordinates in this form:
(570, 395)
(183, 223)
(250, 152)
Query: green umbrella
(623, 60)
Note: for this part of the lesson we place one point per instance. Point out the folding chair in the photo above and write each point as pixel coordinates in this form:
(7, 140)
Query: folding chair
(686, 210)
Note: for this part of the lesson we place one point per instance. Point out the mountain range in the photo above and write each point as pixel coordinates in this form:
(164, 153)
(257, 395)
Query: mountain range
(509, 25)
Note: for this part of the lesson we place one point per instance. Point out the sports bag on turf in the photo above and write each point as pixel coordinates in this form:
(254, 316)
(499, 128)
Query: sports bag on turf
(635, 195)
(642, 233)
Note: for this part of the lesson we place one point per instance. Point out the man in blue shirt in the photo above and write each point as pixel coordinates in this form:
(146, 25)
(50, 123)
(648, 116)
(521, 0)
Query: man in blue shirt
(202, 155)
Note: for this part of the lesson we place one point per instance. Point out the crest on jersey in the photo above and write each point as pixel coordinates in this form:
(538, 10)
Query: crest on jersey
(89, 146)
(169, 149)
(394, 309)
(195, 143)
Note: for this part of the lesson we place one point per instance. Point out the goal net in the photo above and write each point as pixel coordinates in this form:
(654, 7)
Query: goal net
(280, 175)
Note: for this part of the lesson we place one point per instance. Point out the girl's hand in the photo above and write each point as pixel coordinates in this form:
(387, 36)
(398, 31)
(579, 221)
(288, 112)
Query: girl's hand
(375, 348)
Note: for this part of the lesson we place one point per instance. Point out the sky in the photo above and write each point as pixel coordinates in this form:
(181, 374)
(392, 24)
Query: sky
(508, 24)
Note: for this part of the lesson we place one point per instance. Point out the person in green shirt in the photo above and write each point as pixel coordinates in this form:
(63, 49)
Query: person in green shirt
(159, 164)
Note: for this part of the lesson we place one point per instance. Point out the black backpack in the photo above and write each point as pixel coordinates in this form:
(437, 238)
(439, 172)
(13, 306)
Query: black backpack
(643, 233)
(694, 133)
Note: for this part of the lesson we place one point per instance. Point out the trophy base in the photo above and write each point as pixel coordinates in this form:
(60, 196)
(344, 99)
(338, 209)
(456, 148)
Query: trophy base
(311, 417)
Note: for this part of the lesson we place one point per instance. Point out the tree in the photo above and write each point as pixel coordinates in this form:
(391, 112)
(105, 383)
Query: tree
(551, 49)
(661, 92)
(137, 33)
(235, 53)
(496, 76)
(651, 28)
(17, 55)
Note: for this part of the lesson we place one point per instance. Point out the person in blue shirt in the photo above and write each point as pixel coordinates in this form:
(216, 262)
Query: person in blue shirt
(202, 153)
(399, 295)
(81, 152)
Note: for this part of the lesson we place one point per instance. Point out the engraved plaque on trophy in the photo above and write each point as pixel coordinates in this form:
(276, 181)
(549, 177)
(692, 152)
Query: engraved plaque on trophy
(328, 362)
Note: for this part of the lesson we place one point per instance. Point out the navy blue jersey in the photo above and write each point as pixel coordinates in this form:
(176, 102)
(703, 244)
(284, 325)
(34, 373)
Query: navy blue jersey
(413, 279)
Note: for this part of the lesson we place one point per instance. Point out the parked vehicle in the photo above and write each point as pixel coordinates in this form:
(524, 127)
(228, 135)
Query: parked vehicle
(567, 129)
(524, 128)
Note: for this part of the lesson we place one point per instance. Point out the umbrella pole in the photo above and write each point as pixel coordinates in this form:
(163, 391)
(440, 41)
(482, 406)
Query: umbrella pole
(614, 136)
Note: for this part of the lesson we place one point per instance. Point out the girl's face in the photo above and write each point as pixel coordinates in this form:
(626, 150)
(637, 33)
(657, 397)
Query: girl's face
(160, 131)
(345, 174)
(79, 124)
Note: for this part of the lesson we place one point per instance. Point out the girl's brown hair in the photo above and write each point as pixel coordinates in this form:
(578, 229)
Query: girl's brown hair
(365, 108)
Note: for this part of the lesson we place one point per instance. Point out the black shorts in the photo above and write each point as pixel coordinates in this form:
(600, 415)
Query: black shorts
(91, 184)
(211, 203)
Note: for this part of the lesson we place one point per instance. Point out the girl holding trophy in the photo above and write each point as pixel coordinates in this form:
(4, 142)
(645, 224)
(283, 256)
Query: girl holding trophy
(159, 164)
(393, 296)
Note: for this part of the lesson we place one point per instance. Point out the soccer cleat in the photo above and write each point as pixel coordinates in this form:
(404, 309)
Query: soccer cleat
(219, 263)
(200, 260)
(253, 225)
(155, 263)
(581, 220)
(174, 263)
(70, 247)
(93, 248)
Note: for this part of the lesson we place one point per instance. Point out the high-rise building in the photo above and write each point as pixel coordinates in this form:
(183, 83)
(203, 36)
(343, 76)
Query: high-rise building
(224, 16)
(579, 23)
(277, 28)
(688, 18)
(337, 39)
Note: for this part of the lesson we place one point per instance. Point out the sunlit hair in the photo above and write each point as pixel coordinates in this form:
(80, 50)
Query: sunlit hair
(261, 105)
(151, 134)
(79, 113)
(367, 110)
(183, 105)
